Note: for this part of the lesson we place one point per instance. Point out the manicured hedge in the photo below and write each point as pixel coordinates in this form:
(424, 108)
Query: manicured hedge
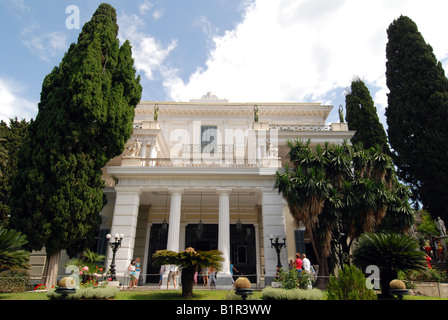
(90, 293)
(270, 293)
(14, 280)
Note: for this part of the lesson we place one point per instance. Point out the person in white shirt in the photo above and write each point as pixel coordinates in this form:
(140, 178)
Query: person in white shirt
(306, 265)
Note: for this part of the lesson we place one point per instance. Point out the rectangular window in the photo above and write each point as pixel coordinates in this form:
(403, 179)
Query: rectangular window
(209, 138)
(299, 236)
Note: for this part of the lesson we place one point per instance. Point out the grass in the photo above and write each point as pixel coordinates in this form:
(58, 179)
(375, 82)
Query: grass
(139, 295)
(167, 295)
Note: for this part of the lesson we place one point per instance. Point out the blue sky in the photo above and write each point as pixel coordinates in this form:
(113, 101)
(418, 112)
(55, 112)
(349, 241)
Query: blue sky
(241, 50)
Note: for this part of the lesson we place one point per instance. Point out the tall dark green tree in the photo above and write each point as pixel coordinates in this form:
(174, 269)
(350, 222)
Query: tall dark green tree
(362, 117)
(85, 118)
(12, 136)
(417, 114)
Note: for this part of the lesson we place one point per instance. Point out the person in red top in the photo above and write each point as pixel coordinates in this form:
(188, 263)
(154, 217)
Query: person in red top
(428, 259)
(299, 263)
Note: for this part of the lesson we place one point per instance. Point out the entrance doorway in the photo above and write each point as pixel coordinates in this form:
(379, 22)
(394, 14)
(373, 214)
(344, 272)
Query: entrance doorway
(157, 241)
(202, 240)
(242, 251)
(242, 247)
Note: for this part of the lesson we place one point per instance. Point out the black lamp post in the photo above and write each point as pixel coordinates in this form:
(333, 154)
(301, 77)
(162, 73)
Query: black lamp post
(278, 248)
(114, 246)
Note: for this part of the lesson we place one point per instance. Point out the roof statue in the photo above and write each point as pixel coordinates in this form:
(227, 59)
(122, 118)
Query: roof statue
(209, 97)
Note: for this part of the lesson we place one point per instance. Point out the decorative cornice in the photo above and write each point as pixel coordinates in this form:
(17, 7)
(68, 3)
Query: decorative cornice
(232, 109)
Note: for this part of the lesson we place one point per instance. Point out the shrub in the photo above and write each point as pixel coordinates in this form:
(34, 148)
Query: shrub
(397, 284)
(14, 280)
(427, 275)
(349, 285)
(103, 293)
(389, 252)
(242, 283)
(234, 296)
(270, 293)
(291, 279)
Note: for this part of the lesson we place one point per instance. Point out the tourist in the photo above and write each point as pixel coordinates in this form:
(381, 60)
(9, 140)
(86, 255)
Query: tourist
(306, 264)
(428, 259)
(299, 263)
(212, 278)
(427, 245)
(307, 268)
(131, 270)
(137, 271)
(232, 267)
(161, 272)
(205, 276)
(440, 253)
(172, 275)
(195, 277)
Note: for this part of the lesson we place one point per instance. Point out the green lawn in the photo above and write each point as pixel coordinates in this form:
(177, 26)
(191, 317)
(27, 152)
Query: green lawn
(139, 295)
(166, 295)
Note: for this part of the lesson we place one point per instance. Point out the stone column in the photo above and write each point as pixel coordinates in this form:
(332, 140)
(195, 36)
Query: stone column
(273, 224)
(173, 230)
(174, 223)
(124, 222)
(224, 277)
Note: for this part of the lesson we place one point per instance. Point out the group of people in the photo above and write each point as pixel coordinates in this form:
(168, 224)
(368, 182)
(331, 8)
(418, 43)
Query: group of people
(434, 249)
(173, 272)
(302, 264)
(134, 272)
(208, 275)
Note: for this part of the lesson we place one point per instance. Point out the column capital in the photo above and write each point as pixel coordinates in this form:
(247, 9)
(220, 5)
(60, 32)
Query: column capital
(223, 190)
(176, 190)
(128, 189)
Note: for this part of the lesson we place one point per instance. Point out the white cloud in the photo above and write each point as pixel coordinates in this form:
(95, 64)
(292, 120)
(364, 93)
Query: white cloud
(46, 45)
(303, 50)
(12, 104)
(149, 53)
(145, 7)
(206, 26)
(158, 13)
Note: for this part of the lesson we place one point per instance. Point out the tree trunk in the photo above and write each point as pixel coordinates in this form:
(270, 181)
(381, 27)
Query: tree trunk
(51, 269)
(324, 273)
(188, 281)
(386, 276)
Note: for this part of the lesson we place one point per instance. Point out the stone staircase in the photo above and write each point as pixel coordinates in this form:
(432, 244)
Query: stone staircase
(441, 266)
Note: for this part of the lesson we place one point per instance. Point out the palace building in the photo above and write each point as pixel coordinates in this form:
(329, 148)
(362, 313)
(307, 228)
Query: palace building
(201, 174)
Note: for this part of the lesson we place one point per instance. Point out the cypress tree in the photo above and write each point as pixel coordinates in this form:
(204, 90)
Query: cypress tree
(417, 113)
(362, 117)
(12, 136)
(85, 117)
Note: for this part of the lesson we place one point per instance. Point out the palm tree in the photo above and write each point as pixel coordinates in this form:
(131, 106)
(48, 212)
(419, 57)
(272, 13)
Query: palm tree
(306, 189)
(188, 261)
(338, 192)
(390, 252)
(11, 253)
(92, 257)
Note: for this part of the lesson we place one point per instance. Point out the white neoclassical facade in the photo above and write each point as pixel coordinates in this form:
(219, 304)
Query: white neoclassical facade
(201, 174)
